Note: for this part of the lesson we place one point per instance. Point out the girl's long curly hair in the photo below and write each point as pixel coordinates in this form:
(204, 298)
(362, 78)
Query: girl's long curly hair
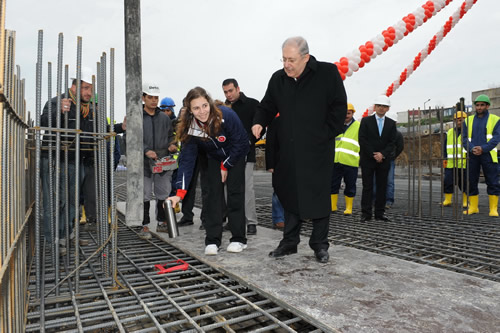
(212, 126)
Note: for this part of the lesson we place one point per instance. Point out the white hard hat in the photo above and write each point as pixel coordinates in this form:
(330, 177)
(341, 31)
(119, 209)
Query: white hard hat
(151, 89)
(383, 100)
(86, 75)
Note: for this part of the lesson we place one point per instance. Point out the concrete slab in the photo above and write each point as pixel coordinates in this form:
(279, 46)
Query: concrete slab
(356, 291)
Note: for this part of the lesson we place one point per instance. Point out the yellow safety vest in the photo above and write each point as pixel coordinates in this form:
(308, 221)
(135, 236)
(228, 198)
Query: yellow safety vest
(454, 150)
(347, 146)
(490, 125)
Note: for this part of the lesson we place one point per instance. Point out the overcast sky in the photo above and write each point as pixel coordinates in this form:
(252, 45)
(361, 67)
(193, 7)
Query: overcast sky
(192, 43)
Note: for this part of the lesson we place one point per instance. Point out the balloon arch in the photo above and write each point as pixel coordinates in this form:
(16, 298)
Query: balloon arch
(361, 56)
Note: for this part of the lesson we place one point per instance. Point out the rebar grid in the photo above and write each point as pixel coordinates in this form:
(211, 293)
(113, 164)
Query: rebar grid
(198, 299)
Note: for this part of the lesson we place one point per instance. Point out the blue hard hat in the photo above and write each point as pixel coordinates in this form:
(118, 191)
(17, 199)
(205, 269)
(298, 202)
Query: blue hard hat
(167, 103)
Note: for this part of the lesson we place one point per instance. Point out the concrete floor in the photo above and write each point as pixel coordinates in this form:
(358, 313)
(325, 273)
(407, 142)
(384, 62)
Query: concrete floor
(356, 291)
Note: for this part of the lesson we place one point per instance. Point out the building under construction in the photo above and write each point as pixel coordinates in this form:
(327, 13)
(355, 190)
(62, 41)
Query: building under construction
(429, 269)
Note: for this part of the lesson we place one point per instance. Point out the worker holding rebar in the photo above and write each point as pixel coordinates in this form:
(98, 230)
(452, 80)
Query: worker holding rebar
(480, 137)
(346, 161)
(49, 173)
(455, 163)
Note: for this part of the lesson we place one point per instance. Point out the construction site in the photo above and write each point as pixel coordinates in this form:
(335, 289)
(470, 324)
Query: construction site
(428, 268)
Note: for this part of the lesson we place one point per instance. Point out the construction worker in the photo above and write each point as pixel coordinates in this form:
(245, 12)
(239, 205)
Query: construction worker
(481, 135)
(346, 161)
(454, 161)
(167, 106)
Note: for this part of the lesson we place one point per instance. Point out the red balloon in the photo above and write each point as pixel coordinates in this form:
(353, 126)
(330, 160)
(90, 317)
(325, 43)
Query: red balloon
(369, 45)
(361, 64)
(342, 75)
(344, 61)
(385, 48)
(366, 58)
(391, 30)
(369, 52)
(344, 69)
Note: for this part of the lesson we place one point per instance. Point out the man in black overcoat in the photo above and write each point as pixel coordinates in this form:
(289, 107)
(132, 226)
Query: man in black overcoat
(377, 140)
(310, 97)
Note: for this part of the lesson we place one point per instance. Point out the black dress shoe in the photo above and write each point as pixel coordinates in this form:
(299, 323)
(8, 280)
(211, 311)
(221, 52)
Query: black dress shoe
(183, 223)
(365, 218)
(251, 229)
(322, 256)
(382, 218)
(282, 251)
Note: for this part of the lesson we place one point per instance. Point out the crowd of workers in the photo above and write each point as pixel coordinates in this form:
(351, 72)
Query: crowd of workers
(216, 140)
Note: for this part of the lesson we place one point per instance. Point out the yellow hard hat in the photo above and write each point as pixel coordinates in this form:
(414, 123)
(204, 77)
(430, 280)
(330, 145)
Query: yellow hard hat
(351, 107)
(460, 114)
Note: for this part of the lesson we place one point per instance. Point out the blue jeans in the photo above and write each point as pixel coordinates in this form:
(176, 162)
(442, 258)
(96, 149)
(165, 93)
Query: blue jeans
(389, 192)
(47, 192)
(277, 210)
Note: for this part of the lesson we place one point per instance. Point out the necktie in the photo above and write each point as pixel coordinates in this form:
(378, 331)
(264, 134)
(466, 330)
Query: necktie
(380, 125)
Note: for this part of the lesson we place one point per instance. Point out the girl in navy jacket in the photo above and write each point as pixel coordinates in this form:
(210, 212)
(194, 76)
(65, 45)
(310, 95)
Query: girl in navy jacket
(218, 132)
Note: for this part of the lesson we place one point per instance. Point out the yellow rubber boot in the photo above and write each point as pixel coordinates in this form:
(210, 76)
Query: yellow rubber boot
(447, 199)
(83, 219)
(334, 198)
(473, 202)
(348, 205)
(493, 205)
(464, 200)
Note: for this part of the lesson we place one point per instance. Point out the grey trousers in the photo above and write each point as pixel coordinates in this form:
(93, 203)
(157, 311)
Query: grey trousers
(160, 183)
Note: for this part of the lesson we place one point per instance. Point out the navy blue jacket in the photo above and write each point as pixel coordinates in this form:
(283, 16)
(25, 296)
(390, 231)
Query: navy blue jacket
(228, 147)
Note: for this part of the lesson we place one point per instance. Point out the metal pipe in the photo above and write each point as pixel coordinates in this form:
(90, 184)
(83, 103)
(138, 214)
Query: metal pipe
(114, 222)
(430, 162)
(77, 157)
(173, 229)
(58, 161)
(38, 109)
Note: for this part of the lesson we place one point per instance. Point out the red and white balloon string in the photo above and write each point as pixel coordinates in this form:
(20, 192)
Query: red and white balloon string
(436, 39)
(376, 46)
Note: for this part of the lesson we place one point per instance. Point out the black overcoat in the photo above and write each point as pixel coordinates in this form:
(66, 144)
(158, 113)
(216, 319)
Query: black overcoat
(312, 111)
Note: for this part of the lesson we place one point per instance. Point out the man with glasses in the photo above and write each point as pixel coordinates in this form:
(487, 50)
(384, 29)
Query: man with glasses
(312, 104)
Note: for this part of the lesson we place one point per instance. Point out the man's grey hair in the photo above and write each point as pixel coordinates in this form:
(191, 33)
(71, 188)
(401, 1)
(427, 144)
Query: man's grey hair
(298, 41)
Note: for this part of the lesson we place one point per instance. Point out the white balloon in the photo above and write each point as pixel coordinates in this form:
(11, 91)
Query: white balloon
(349, 72)
(353, 66)
(377, 49)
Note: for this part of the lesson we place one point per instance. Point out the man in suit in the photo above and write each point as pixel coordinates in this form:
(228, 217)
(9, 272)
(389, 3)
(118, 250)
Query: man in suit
(377, 140)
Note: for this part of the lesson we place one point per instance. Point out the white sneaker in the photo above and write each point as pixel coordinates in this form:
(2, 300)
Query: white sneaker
(236, 247)
(211, 250)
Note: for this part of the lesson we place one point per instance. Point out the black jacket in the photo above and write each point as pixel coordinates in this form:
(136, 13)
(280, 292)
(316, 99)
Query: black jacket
(86, 125)
(312, 111)
(399, 146)
(245, 108)
(370, 141)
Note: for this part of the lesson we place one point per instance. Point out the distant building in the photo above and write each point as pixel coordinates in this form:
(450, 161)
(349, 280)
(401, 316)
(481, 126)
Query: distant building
(494, 95)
